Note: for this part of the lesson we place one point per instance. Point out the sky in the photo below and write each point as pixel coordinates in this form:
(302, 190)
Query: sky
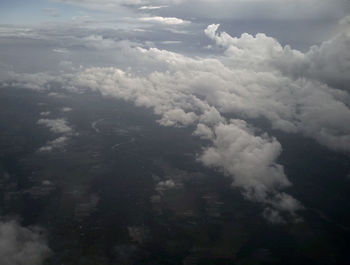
(214, 65)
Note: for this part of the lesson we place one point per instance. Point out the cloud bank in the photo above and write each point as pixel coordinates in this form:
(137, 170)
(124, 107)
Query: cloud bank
(246, 78)
(237, 9)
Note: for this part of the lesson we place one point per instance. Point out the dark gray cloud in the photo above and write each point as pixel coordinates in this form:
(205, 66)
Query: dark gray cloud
(21, 245)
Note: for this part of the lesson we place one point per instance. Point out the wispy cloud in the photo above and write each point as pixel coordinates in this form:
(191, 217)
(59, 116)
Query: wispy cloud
(165, 20)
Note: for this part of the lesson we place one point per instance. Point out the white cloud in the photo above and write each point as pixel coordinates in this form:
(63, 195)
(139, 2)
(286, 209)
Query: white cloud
(21, 245)
(250, 160)
(165, 185)
(151, 7)
(66, 109)
(45, 113)
(57, 143)
(204, 132)
(171, 42)
(39, 81)
(253, 77)
(165, 20)
(57, 125)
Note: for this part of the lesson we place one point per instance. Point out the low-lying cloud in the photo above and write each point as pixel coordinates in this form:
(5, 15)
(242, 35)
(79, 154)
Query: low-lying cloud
(57, 126)
(249, 77)
(21, 246)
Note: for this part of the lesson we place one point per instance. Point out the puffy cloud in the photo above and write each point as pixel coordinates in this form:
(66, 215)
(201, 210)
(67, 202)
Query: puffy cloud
(288, 86)
(57, 126)
(250, 160)
(253, 77)
(247, 157)
(273, 216)
(21, 245)
(54, 144)
(204, 132)
(330, 62)
(165, 185)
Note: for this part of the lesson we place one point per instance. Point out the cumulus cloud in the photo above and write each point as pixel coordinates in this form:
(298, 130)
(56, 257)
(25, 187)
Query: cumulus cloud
(329, 63)
(39, 81)
(204, 132)
(21, 245)
(54, 144)
(249, 158)
(254, 77)
(57, 126)
(301, 98)
(165, 185)
(250, 77)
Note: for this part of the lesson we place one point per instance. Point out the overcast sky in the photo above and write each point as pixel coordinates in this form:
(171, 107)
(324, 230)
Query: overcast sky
(196, 63)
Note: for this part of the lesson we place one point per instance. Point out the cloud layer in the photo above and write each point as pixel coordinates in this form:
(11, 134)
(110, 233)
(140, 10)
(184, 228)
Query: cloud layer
(254, 77)
(245, 78)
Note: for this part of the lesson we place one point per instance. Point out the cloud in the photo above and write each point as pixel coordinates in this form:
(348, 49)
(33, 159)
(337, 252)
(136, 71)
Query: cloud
(165, 20)
(38, 81)
(57, 126)
(171, 42)
(294, 93)
(204, 132)
(151, 7)
(329, 63)
(262, 9)
(66, 109)
(21, 245)
(165, 185)
(45, 113)
(57, 143)
(52, 12)
(253, 77)
(249, 158)
(248, 77)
